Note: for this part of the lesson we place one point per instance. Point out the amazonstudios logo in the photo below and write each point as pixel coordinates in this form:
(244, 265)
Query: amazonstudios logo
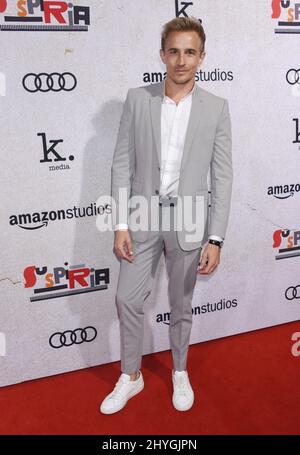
(43, 15)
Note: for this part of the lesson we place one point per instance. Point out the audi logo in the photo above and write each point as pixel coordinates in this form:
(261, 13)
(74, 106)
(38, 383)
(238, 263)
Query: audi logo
(70, 337)
(293, 76)
(293, 292)
(44, 82)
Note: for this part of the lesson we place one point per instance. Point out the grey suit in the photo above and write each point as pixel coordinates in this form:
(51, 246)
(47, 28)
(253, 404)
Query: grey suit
(137, 160)
(136, 167)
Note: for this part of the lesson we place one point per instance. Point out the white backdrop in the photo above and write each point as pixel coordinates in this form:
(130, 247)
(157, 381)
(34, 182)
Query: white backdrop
(58, 272)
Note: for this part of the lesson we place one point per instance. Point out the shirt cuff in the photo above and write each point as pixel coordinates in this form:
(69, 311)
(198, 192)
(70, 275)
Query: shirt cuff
(121, 227)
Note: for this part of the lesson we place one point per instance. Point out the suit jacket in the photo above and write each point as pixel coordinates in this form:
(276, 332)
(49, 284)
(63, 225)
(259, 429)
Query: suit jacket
(137, 159)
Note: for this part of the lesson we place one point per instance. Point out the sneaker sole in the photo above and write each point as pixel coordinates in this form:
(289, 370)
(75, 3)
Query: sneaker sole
(132, 394)
(182, 409)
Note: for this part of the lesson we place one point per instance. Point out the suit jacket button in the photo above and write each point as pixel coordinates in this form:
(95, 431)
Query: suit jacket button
(156, 192)
(158, 168)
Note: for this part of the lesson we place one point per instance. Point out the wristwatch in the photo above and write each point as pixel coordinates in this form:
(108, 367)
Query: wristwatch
(216, 242)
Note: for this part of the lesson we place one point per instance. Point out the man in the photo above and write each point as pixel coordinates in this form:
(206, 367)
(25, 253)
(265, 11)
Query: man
(171, 134)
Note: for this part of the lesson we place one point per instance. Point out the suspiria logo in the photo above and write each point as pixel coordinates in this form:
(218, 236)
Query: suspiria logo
(3, 5)
(44, 15)
(289, 14)
(64, 281)
(288, 242)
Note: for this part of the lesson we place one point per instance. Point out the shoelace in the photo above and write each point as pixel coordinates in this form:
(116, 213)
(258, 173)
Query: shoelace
(119, 387)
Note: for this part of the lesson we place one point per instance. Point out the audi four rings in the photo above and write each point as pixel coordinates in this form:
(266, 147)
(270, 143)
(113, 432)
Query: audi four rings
(293, 292)
(44, 82)
(293, 76)
(70, 337)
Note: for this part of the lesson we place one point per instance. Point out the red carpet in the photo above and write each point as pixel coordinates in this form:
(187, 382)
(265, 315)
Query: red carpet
(244, 384)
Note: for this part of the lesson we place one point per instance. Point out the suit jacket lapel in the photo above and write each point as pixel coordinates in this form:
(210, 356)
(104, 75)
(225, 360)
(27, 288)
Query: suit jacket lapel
(195, 116)
(155, 109)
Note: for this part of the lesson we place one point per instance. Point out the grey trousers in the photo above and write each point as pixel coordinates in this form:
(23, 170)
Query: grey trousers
(134, 287)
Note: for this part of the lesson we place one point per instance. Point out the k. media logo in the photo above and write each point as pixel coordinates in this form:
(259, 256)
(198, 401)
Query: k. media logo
(64, 280)
(297, 132)
(43, 15)
(51, 154)
(287, 14)
(288, 243)
(181, 8)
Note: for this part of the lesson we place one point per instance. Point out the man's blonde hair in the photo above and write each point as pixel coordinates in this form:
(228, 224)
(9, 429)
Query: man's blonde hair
(183, 24)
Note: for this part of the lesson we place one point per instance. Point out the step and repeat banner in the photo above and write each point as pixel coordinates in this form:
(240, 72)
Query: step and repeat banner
(65, 69)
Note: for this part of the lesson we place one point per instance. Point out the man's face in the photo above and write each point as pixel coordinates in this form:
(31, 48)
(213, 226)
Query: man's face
(182, 55)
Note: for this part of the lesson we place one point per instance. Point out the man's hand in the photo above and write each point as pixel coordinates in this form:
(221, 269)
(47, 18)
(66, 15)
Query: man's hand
(123, 245)
(210, 259)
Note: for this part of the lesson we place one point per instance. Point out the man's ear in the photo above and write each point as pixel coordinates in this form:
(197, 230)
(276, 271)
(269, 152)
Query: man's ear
(162, 55)
(202, 58)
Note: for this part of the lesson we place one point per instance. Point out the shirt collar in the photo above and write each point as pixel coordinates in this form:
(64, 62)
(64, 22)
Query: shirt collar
(168, 99)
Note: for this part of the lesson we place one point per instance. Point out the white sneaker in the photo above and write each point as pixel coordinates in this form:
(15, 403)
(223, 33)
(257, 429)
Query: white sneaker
(183, 395)
(124, 389)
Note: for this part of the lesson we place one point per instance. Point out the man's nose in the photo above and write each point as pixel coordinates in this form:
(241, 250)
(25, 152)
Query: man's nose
(181, 59)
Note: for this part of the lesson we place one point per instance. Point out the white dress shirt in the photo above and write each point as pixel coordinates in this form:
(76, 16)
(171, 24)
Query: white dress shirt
(174, 122)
